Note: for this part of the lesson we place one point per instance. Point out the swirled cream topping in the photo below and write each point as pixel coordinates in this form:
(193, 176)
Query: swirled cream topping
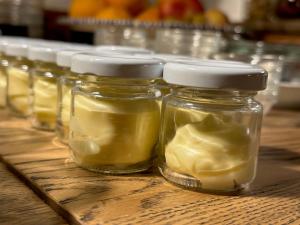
(211, 148)
(113, 132)
(45, 100)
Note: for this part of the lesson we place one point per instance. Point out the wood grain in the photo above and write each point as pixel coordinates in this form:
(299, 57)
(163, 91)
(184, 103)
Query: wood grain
(19, 205)
(83, 197)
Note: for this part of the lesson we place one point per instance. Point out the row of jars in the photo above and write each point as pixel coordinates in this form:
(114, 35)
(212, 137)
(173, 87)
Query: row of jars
(121, 110)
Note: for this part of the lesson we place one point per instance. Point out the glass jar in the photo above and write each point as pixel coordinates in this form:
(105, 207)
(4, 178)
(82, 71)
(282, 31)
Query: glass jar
(3, 65)
(18, 79)
(211, 126)
(70, 79)
(44, 87)
(3, 80)
(64, 86)
(115, 121)
(194, 43)
(273, 64)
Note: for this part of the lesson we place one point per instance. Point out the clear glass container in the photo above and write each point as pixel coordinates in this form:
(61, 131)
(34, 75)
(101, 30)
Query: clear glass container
(44, 95)
(65, 85)
(209, 136)
(115, 119)
(3, 80)
(109, 35)
(273, 64)
(18, 86)
(129, 116)
(188, 42)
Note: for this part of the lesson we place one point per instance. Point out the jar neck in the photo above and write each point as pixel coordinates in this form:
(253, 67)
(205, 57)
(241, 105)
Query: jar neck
(21, 61)
(217, 95)
(48, 67)
(117, 80)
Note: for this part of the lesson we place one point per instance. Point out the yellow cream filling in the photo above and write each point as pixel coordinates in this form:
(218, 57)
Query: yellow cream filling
(45, 101)
(18, 89)
(66, 106)
(2, 89)
(113, 132)
(211, 148)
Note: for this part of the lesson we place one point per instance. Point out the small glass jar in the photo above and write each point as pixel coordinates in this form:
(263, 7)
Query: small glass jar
(65, 84)
(18, 79)
(211, 126)
(3, 65)
(70, 79)
(188, 42)
(115, 121)
(44, 87)
(273, 64)
(3, 80)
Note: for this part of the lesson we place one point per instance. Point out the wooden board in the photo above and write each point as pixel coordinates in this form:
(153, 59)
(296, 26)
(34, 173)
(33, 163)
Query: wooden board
(83, 197)
(19, 205)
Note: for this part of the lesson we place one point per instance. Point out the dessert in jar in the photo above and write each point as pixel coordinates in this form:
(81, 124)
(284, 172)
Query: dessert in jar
(44, 86)
(18, 79)
(65, 84)
(211, 126)
(115, 120)
(3, 65)
(67, 81)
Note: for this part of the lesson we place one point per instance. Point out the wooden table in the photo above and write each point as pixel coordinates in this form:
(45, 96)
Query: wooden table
(81, 197)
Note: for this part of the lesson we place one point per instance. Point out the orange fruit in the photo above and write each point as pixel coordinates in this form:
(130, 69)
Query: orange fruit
(86, 8)
(150, 14)
(112, 13)
(133, 6)
(215, 17)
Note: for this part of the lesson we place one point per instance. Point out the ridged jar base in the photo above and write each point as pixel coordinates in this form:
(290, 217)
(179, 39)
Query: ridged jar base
(194, 184)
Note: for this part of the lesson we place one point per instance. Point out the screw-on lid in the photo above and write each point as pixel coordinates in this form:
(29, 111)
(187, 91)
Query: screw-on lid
(123, 49)
(64, 57)
(43, 53)
(5, 40)
(215, 77)
(117, 66)
(16, 49)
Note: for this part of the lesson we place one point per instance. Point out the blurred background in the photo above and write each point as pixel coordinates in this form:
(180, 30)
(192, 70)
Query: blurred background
(275, 21)
(263, 32)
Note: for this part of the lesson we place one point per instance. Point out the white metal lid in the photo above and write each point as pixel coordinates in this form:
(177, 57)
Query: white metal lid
(123, 49)
(64, 57)
(16, 49)
(215, 77)
(4, 41)
(117, 66)
(44, 53)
